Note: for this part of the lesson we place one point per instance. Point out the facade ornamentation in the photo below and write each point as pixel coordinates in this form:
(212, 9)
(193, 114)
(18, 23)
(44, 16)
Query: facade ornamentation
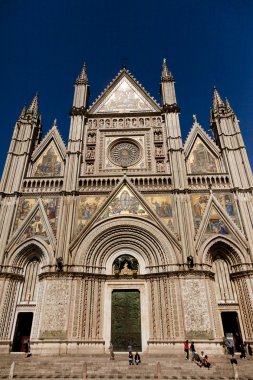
(104, 228)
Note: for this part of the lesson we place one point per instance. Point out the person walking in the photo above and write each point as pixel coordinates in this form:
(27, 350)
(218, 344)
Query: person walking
(186, 349)
(192, 349)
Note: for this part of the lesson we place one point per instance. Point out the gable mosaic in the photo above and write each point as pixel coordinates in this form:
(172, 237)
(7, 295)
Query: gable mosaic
(49, 164)
(201, 160)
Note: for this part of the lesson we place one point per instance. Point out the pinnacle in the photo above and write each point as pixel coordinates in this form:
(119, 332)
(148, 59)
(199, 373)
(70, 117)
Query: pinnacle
(82, 77)
(34, 106)
(217, 100)
(166, 74)
(228, 106)
(23, 112)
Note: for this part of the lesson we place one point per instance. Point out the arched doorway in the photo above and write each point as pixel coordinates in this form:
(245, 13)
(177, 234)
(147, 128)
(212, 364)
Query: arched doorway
(26, 302)
(223, 257)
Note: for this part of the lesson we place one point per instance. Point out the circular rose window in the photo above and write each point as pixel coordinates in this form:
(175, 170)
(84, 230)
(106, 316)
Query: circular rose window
(125, 153)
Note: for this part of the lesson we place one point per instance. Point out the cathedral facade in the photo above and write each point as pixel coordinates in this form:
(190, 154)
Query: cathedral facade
(126, 235)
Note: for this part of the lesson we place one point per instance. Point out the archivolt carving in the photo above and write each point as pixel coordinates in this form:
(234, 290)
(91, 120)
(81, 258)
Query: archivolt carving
(102, 241)
(225, 247)
(27, 250)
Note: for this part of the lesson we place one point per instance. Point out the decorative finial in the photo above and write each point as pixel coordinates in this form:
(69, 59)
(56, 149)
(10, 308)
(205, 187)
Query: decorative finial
(217, 100)
(228, 106)
(82, 78)
(55, 122)
(34, 106)
(166, 74)
(195, 118)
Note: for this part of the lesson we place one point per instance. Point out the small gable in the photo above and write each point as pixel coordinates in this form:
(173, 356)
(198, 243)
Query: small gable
(124, 95)
(216, 224)
(201, 159)
(35, 228)
(49, 163)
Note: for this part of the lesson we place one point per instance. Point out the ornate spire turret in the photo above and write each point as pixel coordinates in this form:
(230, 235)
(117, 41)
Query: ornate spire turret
(81, 94)
(166, 74)
(217, 100)
(23, 112)
(228, 107)
(167, 89)
(34, 106)
(82, 77)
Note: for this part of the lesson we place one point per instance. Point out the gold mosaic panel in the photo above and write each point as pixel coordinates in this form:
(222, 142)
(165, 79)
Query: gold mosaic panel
(87, 207)
(36, 227)
(216, 225)
(201, 160)
(24, 207)
(125, 203)
(199, 202)
(163, 207)
(49, 164)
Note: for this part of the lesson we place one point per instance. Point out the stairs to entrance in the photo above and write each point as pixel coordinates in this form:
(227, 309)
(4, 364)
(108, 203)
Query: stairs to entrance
(100, 367)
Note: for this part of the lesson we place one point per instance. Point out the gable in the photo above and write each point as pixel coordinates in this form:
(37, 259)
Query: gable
(49, 163)
(124, 203)
(124, 95)
(201, 159)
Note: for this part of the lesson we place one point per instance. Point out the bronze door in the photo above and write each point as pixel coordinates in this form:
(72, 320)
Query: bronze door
(126, 320)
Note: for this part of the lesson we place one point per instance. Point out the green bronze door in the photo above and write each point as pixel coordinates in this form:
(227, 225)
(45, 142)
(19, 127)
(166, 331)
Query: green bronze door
(126, 320)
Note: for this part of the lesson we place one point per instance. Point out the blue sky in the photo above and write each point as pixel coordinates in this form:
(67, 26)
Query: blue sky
(44, 44)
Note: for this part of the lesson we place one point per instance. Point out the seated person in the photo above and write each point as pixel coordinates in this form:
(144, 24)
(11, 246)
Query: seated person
(137, 358)
(131, 358)
(206, 362)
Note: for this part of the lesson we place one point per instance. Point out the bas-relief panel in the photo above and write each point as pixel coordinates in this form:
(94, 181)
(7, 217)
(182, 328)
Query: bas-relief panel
(125, 203)
(163, 207)
(26, 205)
(49, 164)
(125, 98)
(87, 207)
(201, 160)
(55, 310)
(196, 310)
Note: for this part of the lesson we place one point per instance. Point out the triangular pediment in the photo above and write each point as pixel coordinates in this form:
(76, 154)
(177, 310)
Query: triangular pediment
(216, 221)
(36, 224)
(124, 95)
(48, 158)
(202, 159)
(125, 201)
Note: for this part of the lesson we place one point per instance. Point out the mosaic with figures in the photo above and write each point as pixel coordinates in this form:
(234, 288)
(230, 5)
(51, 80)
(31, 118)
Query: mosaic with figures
(125, 203)
(201, 160)
(26, 205)
(163, 207)
(49, 164)
(226, 200)
(34, 228)
(215, 224)
(87, 207)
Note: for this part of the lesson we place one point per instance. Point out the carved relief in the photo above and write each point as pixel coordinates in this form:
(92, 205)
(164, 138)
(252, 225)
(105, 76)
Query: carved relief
(55, 313)
(196, 310)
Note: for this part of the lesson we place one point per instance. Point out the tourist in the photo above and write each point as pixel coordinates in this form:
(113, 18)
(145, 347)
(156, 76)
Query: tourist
(242, 350)
(249, 350)
(27, 348)
(111, 351)
(206, 362)
(186, 349)
(137, 358)
(192, 348)
(130, 358)
(230, 347)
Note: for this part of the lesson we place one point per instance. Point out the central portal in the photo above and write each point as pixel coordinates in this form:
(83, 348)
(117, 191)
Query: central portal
(126, 320)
